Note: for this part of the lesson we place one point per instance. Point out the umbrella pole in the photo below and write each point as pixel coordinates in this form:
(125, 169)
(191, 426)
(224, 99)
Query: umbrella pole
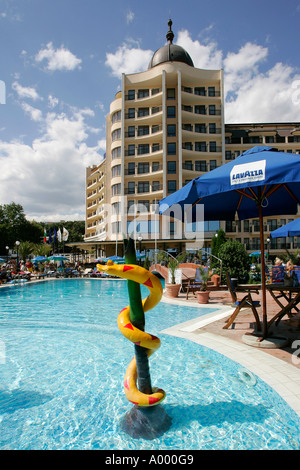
(263, 275)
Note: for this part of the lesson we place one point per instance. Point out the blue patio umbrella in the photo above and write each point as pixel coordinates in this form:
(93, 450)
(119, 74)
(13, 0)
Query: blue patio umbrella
(56, 258)
(39, 259)
(260, 182)
(292, 229)
(2, 260)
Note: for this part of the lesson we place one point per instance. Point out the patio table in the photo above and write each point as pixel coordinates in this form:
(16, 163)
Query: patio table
(290, 294)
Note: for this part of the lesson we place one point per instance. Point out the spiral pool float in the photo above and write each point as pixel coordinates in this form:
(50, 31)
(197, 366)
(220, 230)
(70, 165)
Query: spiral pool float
(135, 335)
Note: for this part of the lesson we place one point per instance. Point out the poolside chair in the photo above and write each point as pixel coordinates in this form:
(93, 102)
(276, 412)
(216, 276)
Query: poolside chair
(195, 284)
(278, 273)
(246, 301)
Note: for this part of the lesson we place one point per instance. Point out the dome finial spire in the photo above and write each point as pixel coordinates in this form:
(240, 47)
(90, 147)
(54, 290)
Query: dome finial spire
(170, 34)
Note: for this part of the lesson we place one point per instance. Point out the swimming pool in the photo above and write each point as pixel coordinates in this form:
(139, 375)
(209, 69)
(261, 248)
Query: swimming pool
(65, 360)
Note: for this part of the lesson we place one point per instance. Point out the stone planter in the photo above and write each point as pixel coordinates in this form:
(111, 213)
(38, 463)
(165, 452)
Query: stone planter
(172, 290)
(203, 296)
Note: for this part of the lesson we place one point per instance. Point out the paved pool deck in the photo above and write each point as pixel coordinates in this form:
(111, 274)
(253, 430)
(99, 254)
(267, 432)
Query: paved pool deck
(278, 367)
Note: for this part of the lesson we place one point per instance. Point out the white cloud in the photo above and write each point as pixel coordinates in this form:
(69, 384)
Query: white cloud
(58, 59)
(34, 113)
(129, 17)
(266, 97)
(204, 56)
(128, 59)
(52, 101)
(25, 92)
(49, 175)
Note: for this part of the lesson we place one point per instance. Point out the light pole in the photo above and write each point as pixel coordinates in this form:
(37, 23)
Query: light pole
(7, 253)
(140, 246)
(17, 244)
(268, 246)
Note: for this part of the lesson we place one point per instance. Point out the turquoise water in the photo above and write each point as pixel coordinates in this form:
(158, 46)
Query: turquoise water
(61, 380)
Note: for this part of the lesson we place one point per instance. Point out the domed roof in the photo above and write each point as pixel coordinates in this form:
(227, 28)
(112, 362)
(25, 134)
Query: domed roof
(170, 53)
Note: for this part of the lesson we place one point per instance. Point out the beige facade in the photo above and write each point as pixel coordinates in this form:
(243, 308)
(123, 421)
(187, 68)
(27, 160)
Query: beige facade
(166, 127)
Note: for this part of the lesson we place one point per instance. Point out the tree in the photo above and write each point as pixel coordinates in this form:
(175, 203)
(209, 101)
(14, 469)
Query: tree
(235, 259)
(14, 226)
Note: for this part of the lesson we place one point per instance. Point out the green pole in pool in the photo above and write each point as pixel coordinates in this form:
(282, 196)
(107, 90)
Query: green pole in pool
(137, 318)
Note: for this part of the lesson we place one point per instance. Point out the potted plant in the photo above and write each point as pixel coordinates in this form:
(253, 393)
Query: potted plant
(203, 293)
(172, 288)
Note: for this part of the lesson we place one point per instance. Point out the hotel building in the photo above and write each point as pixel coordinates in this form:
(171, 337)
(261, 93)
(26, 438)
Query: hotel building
(166, 127)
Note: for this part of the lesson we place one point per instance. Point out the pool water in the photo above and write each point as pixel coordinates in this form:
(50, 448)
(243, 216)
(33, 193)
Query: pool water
(63, 365)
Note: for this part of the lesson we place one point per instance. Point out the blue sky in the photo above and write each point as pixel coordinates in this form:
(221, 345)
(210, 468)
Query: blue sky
(61, 62)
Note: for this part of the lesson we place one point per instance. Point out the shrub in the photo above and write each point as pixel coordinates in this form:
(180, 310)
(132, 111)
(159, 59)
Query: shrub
(235, 259)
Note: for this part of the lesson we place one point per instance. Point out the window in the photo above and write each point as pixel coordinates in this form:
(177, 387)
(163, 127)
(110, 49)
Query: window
(155, 186)
(116, 153)
(143, 130)
(270, 139)
(212, 164)
(131, 168)
(143, 167)
(116, 135)
(116, 171)
(187, 145)
(171, 111)
(201, 128)
(171, 130)
(131, 94)
(171, 94)
(131, 206)
(155, 166)
(143, 112)
(143, 93)
(144, 205)
(200, 165)
(155, 147)
(131, 131)
(212, 128)
(131, 113)
(171, 148)
(172, 228)
(171, 186)
(116, 189)
(171, 167)
(131, 187)
(116, 117)
(200, 90)
(143, 148)
(143, 187)
(212, 109)
(200, 109)
(200, 146)
(131, 149)
(211, 91)
(115, 208)
(212, 146)
(188, 165)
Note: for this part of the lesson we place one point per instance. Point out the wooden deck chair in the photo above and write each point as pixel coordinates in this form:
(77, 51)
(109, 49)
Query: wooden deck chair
(195, 283)
(246, 301)
(278, 273)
